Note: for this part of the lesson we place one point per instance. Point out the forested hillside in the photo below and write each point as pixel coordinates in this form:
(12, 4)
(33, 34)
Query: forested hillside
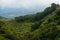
(43, 25)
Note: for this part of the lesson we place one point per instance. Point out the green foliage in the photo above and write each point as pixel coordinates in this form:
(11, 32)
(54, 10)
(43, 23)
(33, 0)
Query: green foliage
(3, 38)
(40, 26)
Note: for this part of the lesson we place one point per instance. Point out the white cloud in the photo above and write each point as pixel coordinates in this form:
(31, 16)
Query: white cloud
(26, 3)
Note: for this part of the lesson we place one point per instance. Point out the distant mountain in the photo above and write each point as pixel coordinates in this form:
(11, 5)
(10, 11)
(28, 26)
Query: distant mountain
(14, 12)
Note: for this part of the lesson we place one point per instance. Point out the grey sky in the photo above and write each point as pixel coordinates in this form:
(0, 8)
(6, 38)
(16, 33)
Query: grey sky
(25, 6)
(25, 3)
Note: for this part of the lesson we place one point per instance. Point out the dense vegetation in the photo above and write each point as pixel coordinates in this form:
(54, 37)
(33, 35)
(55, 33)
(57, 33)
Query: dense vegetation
(40, 26)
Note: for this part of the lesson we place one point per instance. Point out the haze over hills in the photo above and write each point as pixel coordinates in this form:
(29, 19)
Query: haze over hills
(13, 8)
(11, 12)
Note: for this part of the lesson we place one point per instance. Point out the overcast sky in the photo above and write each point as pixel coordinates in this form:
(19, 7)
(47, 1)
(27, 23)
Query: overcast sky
(26, 4)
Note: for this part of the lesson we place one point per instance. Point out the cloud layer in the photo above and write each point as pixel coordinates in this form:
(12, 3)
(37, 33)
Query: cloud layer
(14, 8)
(25, 3)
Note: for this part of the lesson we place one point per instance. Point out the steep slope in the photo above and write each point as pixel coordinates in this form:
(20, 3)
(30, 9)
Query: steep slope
(49, 29)
(53, 19)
